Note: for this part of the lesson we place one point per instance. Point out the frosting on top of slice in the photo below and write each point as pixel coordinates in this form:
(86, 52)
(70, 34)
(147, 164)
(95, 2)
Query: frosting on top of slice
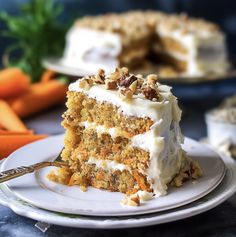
(135, 95)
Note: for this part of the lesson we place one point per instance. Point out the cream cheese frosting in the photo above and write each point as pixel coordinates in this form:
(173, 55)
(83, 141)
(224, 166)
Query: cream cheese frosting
(90, 49)
(107, 164)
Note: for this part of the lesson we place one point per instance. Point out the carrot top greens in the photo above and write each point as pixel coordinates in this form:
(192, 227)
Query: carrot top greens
(36, 33)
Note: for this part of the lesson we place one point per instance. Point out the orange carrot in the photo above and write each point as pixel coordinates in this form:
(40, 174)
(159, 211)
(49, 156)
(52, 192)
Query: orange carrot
(1, 127)
(7, 132)
(13, 82)
(40, 96)
(9, 120)
(47, 76)
(8, 144)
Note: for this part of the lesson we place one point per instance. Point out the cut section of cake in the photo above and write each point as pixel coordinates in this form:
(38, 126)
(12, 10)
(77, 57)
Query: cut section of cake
(192, 46)
(123, 134)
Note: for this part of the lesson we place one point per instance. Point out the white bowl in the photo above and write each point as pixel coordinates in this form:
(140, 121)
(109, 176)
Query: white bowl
(219, 132)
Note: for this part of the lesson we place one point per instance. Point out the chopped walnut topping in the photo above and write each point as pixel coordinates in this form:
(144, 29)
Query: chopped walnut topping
(101, 73)
(133, 86)
(116, 75)
(110, 84)
(99, 77)
(150, 93)
(127, 81)
(139, 76)
(125, 71)
(139, 83)
(152, 79)
(136, 25)
(126, 93)
(85, 84)
(139, 25)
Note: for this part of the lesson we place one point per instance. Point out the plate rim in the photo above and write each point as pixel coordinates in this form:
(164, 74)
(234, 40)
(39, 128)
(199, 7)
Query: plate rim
(125, 213)
(182, 213)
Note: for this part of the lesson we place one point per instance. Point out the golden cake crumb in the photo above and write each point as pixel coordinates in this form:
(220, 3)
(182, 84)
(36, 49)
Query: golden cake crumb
(132, 200)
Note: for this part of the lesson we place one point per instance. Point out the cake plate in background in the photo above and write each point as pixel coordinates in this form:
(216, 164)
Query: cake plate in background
(185, 88)
(167, 76)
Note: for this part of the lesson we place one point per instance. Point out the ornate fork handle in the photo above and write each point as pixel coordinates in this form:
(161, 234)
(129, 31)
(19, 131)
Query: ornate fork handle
(19, 171)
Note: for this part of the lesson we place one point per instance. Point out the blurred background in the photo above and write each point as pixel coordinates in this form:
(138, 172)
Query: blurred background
(223, 12)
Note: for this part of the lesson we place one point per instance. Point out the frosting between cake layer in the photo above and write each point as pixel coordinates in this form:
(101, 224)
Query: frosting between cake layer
(142, 141)
(100, 129)
(107, 164)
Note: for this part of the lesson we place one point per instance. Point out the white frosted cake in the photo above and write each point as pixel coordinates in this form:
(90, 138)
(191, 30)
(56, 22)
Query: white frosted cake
(123, 134)
(193, 47)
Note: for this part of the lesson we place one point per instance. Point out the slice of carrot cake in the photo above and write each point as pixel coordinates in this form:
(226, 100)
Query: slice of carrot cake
(123, 134)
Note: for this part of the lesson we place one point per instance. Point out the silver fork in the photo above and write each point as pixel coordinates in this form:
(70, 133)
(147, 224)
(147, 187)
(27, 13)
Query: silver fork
(22, 170)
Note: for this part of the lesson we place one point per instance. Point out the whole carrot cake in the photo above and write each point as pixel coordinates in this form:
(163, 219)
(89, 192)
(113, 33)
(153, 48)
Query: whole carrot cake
(193, 47)
(123, 134)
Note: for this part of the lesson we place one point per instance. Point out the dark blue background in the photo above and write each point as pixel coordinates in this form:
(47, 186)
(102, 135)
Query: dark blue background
(222, 12)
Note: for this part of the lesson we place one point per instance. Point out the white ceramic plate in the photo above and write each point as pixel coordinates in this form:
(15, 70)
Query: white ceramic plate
(225, 189)
(39, 191)
(57, 65)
